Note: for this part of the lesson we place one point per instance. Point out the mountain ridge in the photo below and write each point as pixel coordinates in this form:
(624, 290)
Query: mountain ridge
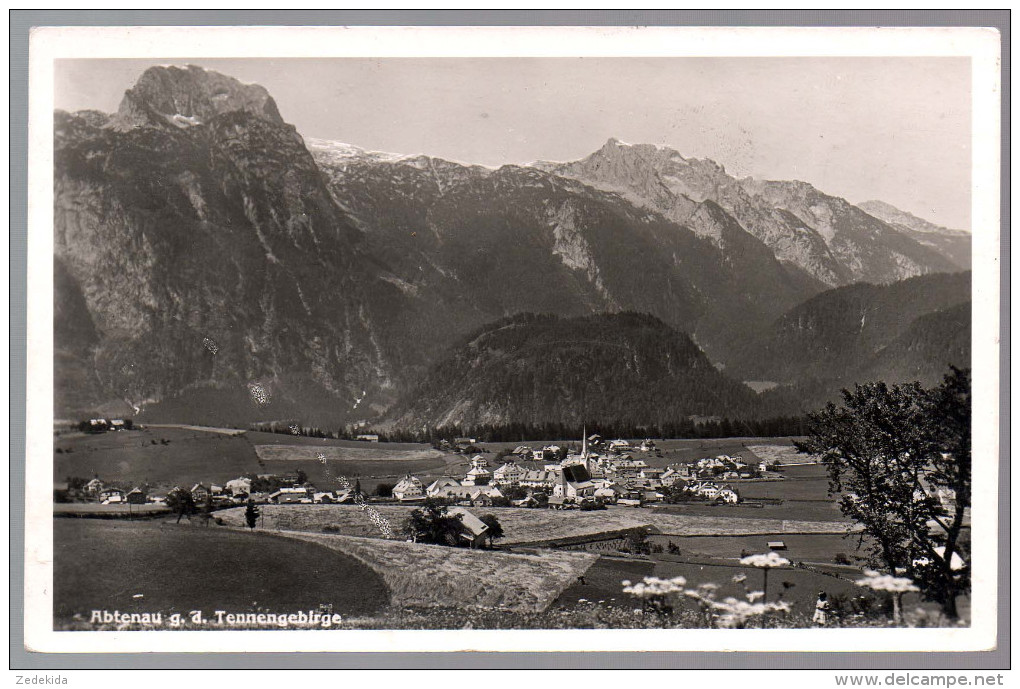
(211, 261)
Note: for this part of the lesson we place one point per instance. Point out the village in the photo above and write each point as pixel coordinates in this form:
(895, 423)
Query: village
(595, 475)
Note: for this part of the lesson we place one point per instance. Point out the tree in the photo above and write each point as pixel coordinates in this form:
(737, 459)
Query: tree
(251, 514)
(357, 487)
(181, 502)
(890, 450)
(495, 528)
(431, 523)
(384, 490)
(302, 477)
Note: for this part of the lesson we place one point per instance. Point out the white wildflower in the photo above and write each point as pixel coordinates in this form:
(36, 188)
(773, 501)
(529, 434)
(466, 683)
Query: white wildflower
(765, 560)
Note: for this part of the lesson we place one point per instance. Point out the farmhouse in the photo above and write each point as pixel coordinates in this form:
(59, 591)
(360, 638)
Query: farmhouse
(540, 479)
(368, 437)
(136, 496)
(441, 483)
(408, 489)
(111, 495)
(238, 486)
(474, 529)
(508, 474)
(474, 495)
(478, 474)
(289, 496)
(93, 487)
(199, 493)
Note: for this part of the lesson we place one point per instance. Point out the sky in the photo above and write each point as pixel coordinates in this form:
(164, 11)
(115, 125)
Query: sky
(889, 128)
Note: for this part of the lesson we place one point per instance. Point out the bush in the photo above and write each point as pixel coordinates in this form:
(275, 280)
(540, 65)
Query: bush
(385, 490)
(841, 559)
(331, 528)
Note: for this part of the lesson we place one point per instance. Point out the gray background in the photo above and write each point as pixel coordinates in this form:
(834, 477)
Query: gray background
(20, 24)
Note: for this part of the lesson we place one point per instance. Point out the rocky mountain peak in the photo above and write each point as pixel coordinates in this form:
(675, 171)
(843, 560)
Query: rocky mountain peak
(188, 96)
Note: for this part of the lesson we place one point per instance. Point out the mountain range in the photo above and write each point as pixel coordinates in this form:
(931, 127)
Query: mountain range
(211, 265)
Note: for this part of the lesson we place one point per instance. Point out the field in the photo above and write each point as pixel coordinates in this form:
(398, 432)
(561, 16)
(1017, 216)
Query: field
(524, 525)
(426, 575)
(166, 456)
(137, 457)
(150, 567)
(811, 548)
(94, 509)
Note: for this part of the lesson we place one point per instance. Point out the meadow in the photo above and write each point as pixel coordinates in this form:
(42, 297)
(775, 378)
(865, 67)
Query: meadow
(163, 567)
(524, 526)
(429, 575)
(165, 456)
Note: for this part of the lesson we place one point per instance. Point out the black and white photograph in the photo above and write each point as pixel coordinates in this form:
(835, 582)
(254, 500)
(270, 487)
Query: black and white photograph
(690, 343)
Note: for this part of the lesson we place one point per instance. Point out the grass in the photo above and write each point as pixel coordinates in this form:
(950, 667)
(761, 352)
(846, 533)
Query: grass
(191, 456)
(102, 565)
(800, 547)
(826, 511)
(130, 457)
(525, 525)
(427, 575)
(94, 509)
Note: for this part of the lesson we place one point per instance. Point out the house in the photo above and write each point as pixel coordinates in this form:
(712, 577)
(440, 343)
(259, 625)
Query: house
(199, 493)
(215, 490)
(289, 496)
(117, 425)
(95, 426)
(539, 479)
(651, 473)
(441, 483)
(609, 493)
(776, 545)
(238, 486)
(594, 439)
(728, 495)
(110, 496)
(93, 487)
(324, 498)
(647, 445)
(473, 530)
(136, 496)
(538, 455)
(476, 495)
(522, 451)
(408, 489)
(343, 496)
(618, 445)
(528, 501)
(368, 437)
(478, 474)
(508, 474)
(107, 493)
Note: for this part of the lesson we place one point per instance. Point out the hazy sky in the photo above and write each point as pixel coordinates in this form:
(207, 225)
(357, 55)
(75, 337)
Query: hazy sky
(894, 129)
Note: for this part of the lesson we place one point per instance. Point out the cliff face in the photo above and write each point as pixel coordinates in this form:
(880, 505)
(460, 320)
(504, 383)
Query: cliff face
(210, 255)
